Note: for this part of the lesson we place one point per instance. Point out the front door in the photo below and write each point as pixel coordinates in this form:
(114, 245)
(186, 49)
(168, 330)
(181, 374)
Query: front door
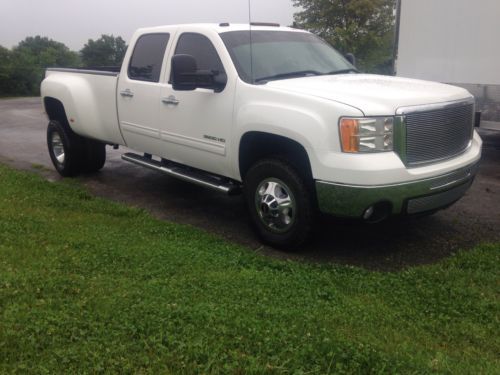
(195, 125)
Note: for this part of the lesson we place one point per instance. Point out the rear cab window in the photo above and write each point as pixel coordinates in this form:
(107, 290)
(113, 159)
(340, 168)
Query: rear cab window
(147, 58)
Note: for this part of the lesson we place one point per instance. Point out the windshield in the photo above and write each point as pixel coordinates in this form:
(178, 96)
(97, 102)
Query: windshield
(281, 55)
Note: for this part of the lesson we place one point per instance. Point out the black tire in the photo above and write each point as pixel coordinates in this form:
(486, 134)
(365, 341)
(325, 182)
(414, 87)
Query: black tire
(94, 156)
(286, 225)
(81, 155)
(61, 139)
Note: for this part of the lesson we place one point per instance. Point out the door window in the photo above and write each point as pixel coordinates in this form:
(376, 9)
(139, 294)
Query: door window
(202, 49)
(147, 58)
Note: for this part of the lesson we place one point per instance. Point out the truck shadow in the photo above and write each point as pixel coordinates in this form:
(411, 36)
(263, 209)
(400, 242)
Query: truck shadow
(395, 244)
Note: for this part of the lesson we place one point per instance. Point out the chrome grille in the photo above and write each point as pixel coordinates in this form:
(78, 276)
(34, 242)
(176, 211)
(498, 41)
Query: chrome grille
(438, 134)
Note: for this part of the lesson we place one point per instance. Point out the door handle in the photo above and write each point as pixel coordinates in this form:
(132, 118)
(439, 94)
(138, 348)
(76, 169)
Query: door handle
(170, 100)
(127, 93)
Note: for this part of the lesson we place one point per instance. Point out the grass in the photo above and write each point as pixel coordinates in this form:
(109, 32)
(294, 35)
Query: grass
(39, 167)
(87, 285)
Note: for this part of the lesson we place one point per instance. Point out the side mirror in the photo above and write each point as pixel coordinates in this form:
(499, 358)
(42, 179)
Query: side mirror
(350, 57)
(187, 77)
(184, 72)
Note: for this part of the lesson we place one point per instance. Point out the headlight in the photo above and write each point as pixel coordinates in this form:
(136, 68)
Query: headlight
(366, 134)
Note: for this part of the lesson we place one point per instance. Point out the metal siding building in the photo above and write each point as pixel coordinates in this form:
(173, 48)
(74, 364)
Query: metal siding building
(456, 42)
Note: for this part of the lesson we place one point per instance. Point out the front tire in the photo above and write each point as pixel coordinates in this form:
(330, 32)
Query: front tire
(280, 203)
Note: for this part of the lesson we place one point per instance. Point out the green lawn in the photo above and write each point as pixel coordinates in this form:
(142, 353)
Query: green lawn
(87, 285)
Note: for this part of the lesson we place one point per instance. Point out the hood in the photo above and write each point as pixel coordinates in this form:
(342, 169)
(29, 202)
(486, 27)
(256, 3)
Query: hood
(374, 95)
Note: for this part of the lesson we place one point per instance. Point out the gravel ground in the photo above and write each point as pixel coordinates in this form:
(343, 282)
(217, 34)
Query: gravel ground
(392, 245)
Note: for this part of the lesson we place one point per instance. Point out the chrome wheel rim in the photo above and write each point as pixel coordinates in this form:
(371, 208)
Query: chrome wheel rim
(58, 147)
(275, 205)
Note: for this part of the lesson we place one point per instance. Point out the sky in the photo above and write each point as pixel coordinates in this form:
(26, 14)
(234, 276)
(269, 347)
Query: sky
(73, 22)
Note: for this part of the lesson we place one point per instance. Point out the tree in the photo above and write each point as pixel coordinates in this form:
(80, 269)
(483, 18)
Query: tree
(22, 68)
(363, 27)
(105, 51)
(47, 52)
(6, 82)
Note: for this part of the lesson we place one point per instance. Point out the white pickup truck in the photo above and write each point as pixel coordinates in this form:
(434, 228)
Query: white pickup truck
(275, 113)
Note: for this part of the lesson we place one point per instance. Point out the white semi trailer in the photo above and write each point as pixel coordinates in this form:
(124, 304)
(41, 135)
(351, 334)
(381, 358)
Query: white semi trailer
(456, 42)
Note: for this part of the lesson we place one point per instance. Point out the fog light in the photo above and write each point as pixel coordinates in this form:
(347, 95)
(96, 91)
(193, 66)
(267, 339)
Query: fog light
(377, 212)
(368, 212)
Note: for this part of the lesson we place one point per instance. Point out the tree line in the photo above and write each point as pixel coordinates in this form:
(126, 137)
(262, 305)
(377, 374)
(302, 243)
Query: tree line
(22, 68)
(362, 27)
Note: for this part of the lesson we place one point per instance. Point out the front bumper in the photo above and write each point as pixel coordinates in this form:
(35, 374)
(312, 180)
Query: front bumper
(405, 198)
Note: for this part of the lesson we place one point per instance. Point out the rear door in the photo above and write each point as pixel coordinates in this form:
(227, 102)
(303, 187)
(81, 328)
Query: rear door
(138, 96)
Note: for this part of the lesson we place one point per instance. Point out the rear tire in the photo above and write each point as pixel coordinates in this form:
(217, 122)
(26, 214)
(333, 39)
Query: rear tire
(72, 154)
(94, 156)
(65, 149)
(280, 203)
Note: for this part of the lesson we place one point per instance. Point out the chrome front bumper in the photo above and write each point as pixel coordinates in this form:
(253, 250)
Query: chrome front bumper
(405, 198)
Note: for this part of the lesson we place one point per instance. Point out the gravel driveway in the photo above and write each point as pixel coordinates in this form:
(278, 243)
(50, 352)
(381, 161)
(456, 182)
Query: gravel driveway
(395, 244)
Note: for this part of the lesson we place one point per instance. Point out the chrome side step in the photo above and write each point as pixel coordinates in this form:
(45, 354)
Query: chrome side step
(185, 173)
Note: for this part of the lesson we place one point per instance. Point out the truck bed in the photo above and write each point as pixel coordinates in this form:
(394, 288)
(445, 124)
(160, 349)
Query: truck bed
(91, 104)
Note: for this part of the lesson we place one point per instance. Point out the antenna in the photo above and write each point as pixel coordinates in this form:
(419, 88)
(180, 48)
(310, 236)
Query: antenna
(250, 35)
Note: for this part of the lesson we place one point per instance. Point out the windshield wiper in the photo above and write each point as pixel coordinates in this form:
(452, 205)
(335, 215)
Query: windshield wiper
(301, 73)
(342, 71)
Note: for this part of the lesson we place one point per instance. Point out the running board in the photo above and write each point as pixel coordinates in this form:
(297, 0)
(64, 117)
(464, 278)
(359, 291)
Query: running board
(185, 173)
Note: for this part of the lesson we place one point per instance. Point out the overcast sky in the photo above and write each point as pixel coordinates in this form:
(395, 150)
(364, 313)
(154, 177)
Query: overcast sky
(73, 22)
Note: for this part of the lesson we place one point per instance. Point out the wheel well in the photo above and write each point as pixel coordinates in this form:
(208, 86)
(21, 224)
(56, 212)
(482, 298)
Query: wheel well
(258, 145)
(55, 110)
